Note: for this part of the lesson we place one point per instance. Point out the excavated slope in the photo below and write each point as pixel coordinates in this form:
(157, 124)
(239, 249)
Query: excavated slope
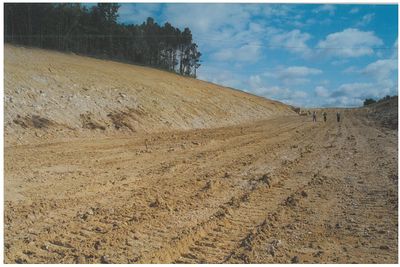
(384, 112)
(52, 94)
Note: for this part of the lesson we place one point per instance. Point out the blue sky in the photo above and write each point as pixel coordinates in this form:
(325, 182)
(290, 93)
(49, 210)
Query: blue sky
(301, 54)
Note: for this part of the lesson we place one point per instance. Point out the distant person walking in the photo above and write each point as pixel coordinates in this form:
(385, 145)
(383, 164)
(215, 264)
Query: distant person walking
(314, 116)
(324, 116)
(338, 116)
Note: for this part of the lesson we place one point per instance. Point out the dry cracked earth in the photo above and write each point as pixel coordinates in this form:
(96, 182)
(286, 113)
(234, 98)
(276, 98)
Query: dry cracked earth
(283, 190)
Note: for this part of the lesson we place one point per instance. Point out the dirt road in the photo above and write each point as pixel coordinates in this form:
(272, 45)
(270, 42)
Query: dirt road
(281, 190)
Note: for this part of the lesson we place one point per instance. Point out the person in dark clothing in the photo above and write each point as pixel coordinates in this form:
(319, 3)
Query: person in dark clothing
(324, 116)
(338, 116)
(314, 116)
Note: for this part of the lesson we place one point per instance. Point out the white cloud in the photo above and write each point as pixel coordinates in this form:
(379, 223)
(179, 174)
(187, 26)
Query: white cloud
(255, 81)
(281, 14)
(293, 75)
(339, 62)
(280, 93)
(381, 69)
(256, 27)
(295, 41)
(395, 49)
(210, 22)
(360, 91)
(295, 81)
(275, 10)
(325, 82)
(244, 53)
(384, 77)
(276, 92)
(137, 13)
(225, 32)
(203, 18)
(365, 20)
(298, 71)
(354, 10)
(345, 101)
(310, 21)
(351, 70)
(234, 35)
(219, 75)
(321, 91)
(224, 54)
(330, 9)
(354, 94)
(346, 95)
(349, 43)
(298, 94)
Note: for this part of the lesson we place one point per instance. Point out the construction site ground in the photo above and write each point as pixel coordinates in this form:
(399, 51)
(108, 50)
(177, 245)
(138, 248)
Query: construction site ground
(280, 190)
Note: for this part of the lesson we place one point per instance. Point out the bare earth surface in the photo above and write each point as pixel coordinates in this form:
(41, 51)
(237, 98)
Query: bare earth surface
(112, 163)
(52, 95)
(280, 190)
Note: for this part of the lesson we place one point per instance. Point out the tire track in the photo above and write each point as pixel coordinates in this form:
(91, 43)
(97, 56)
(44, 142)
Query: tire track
(353, 206)
(214, 240)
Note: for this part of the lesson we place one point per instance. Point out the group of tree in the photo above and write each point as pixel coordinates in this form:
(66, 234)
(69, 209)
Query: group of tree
(370, 101)
(95, 31)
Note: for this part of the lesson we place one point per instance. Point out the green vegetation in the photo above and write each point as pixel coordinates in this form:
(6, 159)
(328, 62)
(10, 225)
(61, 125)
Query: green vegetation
(370, 101)
(95, 32)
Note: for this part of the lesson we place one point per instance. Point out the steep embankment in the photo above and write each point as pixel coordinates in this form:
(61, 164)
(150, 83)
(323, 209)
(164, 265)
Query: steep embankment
(51, 94)
(385, 113)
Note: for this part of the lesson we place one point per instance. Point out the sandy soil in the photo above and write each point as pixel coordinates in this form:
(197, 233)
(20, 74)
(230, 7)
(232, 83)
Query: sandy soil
(113, 163)
(58, 95)
(279, 190)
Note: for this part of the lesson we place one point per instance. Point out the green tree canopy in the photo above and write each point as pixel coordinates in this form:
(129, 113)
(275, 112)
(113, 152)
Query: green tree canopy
(96, 32)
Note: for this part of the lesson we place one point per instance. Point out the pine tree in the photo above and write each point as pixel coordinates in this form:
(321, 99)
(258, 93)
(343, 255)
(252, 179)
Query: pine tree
(96, 32)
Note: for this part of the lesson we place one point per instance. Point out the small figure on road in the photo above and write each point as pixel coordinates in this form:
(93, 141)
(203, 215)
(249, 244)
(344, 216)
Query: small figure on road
(314, 116)
(338, 116)
(324, 116)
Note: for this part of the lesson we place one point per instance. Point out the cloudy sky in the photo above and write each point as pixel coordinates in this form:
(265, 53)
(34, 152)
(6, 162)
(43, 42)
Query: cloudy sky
(300, 54)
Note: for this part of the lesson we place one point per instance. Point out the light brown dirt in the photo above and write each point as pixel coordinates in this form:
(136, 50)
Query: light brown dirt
(57, 95)
(277, 190)
(263, 192)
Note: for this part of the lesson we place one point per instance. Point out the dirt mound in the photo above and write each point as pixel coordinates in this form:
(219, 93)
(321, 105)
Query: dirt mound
(385, 113)
(85, 97)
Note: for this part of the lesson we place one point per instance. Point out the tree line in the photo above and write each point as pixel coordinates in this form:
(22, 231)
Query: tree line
(370, 101)
(95, 32)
